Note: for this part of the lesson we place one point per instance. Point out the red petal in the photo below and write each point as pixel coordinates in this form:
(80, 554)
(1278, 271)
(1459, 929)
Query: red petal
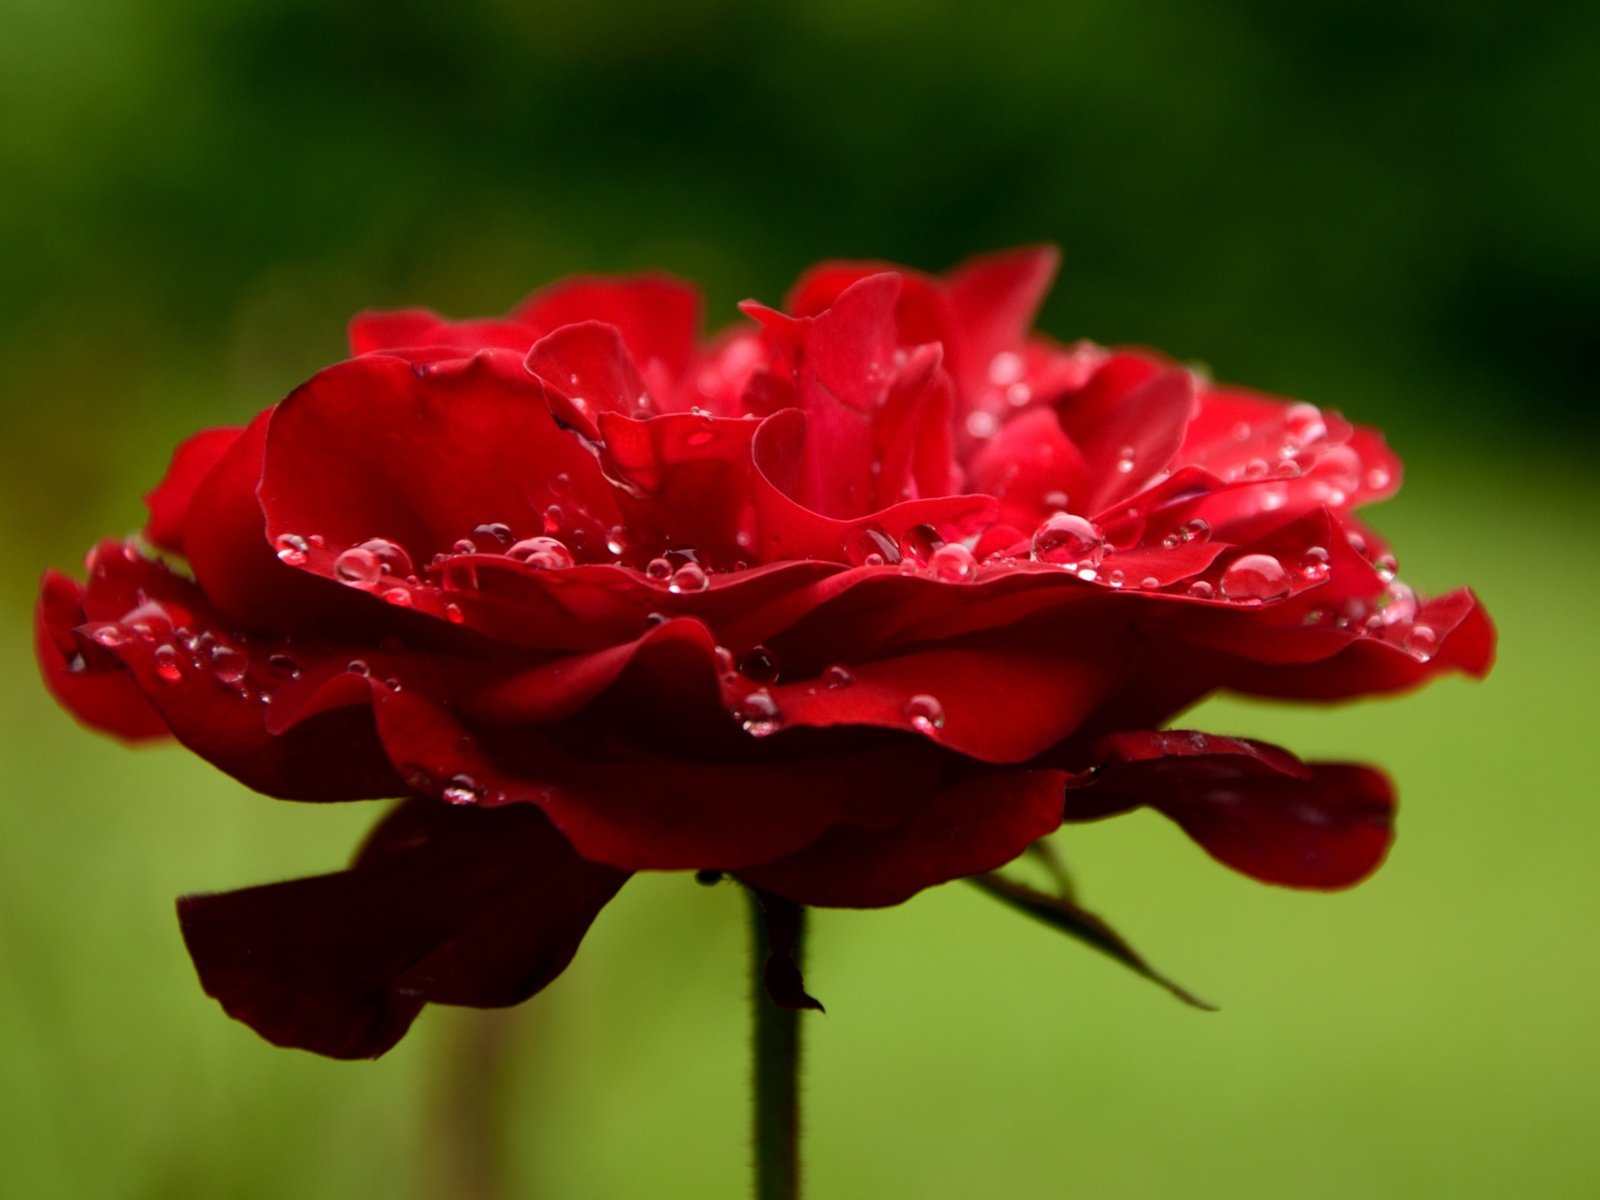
(658, 317)
(89, 682)
(969, 827)
(1251, 806)
(169, 503)
(444, 906)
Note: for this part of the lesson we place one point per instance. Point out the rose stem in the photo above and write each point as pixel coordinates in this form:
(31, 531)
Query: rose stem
(777, 1070)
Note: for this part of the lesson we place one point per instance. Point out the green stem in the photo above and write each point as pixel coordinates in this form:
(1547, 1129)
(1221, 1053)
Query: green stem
(777, 1071)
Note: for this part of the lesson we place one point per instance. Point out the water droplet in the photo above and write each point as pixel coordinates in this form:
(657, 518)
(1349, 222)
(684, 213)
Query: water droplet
(1006, 368)
(464, 546)
(1125, 459)
(110, 636)
(1420, 642)
(291, 549)
(872, 543)
(461, 789)
(1241, 431)
(1387, 567)
(838, 676)
(1255, 578)
(760, 665)
(1314, 565)
(495, 531)
(356, 567)
(541, 553)
(398, 597)
(689, 578)
(1069, 540)
(655, 620)
(982, 424)
(227, 664)
(284, 666)
(1201, 590)
(1018, 394)
(554, 518)
(168, 668)
(658, 569)
(1357, 542)
(1149, 581)
(616, 540)
(952, 563)
(392, 557)
(919, 544)
(358, 666)
(726, 666)
(1398, 604)
(1303, 422)
(758, 713)
(1054, 500)
(925, 713)
(1116, 579)
(452, 613)
(1378, 478)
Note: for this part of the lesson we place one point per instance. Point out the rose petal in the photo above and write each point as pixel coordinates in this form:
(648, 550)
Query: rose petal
(444, 906)
(169, 502)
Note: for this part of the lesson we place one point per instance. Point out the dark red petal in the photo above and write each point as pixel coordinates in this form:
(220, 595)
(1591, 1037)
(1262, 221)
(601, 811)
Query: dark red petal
(1251, 806)
(1137, 439)
(87, 680)
(586, 370)
(969, 827)
(444, 906)
(169, 502)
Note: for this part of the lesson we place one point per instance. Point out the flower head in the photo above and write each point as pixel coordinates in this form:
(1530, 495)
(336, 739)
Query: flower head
(850, 600)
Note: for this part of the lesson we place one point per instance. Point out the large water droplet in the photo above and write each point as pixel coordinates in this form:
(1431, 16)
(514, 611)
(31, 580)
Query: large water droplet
(1398, 604)
(658, 570)
(1387, 567)
(952, 563)
(925, 713)
(760, 665)
(541, 553)
(494, 531)
(1304, 423)
(690, 577)
(871, 546)
(1255, 578)
(392, 557)
(1201, 590)
(357, 568)
(1421, 642)
(1069, 540)
(291, 548)
(284, 665)
(227, 664)
(758, 713)
(838, 676)
(168, 668)
(461, 789)
(1314, 566)
(919, 544)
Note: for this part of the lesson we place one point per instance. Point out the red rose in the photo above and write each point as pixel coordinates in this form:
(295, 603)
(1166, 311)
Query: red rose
(846, 602)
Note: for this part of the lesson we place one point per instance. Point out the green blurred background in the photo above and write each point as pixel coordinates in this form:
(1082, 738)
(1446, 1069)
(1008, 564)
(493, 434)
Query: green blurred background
(1385, 209)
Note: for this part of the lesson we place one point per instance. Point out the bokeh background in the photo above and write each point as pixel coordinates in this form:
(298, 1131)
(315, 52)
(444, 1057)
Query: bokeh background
(1387, 209)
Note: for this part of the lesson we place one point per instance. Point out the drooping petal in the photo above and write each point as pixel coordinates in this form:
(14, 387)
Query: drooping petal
(169, 501)
(88, 681)
(444, 906)
(1251, 806)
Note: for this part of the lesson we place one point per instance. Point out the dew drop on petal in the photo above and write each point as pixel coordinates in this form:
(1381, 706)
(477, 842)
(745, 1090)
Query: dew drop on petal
(726, 665)
(1125, 460)
(1421, 641)
(760, 665)
(392, 557)
(453, 614)
(925, 713)
(168, 668)
(464, 546)
(1378, 478)
(871, 546)
(1057, 501)
(952, 563)
(461, 789)
(358, 666)
(658, 569)
(1255, 578)
(758, 713)
(357, 567)
(291, 548)
(1304, 423)
(399, 597)
(1314, 565)
(981, 424)
(1201, 590)
(1069, 540)
(554, 519)
(494, 531)
(616, 540)
(1006, 368)
(690, 577)
(110, 636)
(838, 676)
(227, 664)
(1149, 581)
(541, 553)
(284, 666)
(1116, 579)
(919, 544)
(1398, 604)
(1387, 567)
